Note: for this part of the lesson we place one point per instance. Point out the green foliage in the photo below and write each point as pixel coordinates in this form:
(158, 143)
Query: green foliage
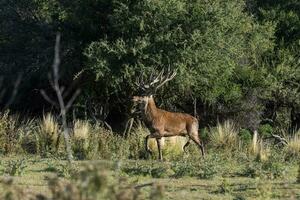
(265, 130)
(225, 53)
(271, 169)
(160, 34)
(185, 168)
(15, 167)
(245, 136)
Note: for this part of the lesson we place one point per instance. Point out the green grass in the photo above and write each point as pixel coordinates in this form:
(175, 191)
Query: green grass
(109, 166)
(230, 185)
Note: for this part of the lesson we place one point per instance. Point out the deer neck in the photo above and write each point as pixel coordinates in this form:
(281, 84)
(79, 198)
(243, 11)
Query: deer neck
(150, 109)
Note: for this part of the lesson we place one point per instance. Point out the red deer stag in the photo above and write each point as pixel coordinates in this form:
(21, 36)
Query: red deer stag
(162, 123)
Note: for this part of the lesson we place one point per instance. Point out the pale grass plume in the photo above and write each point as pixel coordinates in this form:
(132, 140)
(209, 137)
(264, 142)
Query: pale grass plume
(292, 147)
(224, 135)
(258, 148)
(49, 128)
(82, 130)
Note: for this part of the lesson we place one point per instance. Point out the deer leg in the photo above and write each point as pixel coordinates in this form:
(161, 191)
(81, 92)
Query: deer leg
(185, 146)
(158, 140)
(199, 144)
(146, 144)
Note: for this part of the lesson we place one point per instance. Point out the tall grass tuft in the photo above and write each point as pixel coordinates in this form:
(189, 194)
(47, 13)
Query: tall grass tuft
(48, 133)
(292, 148)
(258, 149)
(81, 130)
(224, 136)
(81, 138)
(136, 142)
(9, 133)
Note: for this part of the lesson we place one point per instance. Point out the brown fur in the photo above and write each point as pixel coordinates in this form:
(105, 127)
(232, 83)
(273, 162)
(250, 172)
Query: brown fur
(165, 124)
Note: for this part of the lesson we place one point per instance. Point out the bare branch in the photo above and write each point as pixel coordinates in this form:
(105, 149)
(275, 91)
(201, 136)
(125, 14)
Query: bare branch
(15, 91)
(72, 99)
(59, 90)
(280, 139)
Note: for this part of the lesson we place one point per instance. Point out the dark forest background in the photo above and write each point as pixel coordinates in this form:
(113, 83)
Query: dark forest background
(235, 59)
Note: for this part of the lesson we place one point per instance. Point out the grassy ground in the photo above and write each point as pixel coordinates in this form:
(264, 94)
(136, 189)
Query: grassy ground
(33, 178)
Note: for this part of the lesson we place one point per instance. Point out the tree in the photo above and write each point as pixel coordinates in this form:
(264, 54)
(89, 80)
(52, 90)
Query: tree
(213, 44)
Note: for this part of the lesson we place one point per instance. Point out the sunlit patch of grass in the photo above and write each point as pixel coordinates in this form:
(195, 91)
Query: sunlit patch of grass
(224, 136)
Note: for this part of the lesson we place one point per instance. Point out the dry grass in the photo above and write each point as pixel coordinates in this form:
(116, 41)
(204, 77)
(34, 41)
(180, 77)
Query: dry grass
(224, 136)
(293, 144)
(81, 130)
(49, 131)
(9, 133)
(258, 148)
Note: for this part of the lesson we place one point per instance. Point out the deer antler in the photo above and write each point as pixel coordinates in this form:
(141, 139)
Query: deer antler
(155, 81)
(163, 79)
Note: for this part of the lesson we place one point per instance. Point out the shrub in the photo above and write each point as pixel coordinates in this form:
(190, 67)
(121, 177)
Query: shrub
(224, 136)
